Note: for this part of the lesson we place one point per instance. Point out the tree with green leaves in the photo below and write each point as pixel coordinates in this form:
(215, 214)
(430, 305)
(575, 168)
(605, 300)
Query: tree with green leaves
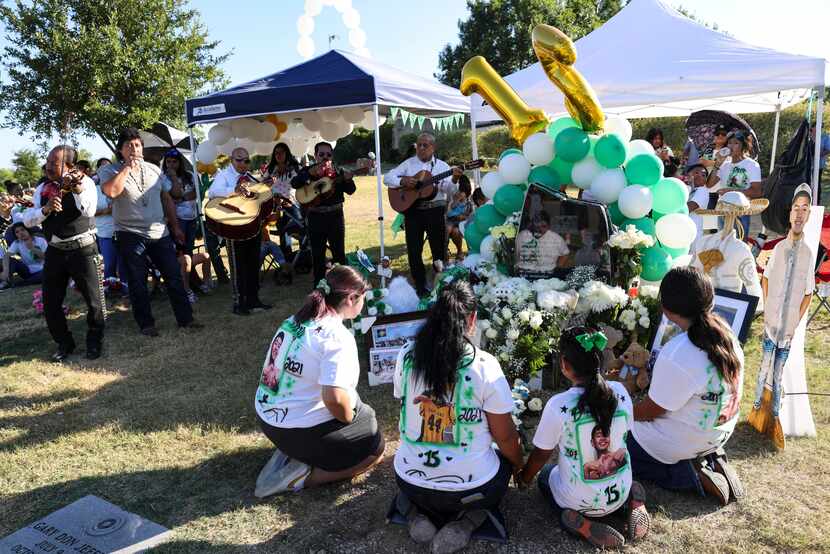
(26, 163)
(500, 30)
(94, 66)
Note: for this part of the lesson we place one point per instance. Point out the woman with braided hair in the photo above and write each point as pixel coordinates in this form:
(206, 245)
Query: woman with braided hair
(307, 402)
(692, 405)
(588, 424)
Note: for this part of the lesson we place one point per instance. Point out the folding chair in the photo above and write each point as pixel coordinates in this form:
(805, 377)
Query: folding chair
(823, 269)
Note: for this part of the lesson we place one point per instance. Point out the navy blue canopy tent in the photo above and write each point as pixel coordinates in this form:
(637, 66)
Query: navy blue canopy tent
(333, 80)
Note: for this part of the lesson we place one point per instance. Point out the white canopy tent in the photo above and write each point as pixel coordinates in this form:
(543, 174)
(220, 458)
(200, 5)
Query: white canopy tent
(651, 61)
(335, 79)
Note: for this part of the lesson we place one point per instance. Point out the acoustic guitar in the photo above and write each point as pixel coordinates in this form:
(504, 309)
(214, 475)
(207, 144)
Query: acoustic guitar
(240, 216)
(311, 194)
(402, 199)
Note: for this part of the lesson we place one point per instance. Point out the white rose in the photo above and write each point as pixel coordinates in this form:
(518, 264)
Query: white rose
(535, 405)
(643, 312)
(645, 322)
(524, 316)
(631, 325)
(491, 333)
(513, 334)
(506, 313)
(373, 311)
(536, 320)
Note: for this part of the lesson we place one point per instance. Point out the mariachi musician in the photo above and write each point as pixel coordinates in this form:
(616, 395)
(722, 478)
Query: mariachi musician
(244, 254)
(65, 205)
(325, 219)
(426, 216)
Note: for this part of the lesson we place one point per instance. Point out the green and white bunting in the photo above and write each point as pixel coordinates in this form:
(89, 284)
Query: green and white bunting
(438, 123)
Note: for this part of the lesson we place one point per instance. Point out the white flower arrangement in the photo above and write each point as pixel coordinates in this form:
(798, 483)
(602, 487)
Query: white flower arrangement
(649, 291)
(596, 297)
(630, 239)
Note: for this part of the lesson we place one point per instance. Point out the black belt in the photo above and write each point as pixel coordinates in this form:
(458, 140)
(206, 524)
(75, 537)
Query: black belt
(428, 205)
(74, 244)
(326, 209)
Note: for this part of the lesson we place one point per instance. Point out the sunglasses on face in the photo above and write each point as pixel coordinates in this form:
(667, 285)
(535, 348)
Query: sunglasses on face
(242, 160)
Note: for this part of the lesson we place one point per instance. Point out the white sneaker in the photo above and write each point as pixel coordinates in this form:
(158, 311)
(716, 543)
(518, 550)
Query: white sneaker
(289, 475)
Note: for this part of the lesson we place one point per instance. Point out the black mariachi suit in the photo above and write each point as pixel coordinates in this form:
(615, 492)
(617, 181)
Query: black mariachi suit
(80, 264)
(326, 223)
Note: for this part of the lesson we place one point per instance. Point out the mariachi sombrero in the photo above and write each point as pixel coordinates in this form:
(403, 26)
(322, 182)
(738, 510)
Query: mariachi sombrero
(735, 203)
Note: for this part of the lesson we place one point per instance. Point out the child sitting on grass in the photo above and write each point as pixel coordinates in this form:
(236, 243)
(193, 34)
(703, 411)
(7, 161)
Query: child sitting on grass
(588, 423)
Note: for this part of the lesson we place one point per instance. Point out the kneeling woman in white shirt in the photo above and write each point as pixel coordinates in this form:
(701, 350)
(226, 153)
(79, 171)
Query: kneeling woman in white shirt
(588, 424)
(307, 401)
(694, 399)
(455, 402)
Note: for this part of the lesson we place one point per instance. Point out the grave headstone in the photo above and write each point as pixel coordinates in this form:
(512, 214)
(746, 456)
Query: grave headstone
(88, 526)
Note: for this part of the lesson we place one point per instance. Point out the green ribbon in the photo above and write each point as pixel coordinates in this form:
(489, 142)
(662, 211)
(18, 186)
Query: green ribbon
(591, 341)
(324, 286)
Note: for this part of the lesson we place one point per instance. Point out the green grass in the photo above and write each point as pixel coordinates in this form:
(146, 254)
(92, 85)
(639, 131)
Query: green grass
(165, 428)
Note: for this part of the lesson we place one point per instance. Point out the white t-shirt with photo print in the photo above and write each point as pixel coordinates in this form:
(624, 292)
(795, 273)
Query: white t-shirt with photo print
(301, 359)
(738, 175)
(445, 442)
(701, 408)
(593, 474)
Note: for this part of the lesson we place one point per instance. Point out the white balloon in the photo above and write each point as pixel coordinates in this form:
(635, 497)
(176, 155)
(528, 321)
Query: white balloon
(219, 134)
(264, 132)
(538, 149)
(245, 143)
(228, 147)
(206, 152)
(676, 230)
(486, 249)
(608, 185)
(344, 128)
(305, 25)
(313, 121)
(353, 114)
(639, 146)
(313, 7)
(351, 18)
(585, 171)
(620, 126)
(357, 38)
(332, 114)
(342, 5)
(329, 131)
(681, 261)
(514, 169)
(635, 201)
(305, 46)
(491, 183)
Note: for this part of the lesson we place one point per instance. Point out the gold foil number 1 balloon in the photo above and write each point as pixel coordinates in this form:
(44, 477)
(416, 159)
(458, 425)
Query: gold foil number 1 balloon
(557, 55)
(479, 76)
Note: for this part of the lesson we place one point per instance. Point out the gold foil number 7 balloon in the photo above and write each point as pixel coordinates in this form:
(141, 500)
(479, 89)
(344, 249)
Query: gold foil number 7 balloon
(557, 55)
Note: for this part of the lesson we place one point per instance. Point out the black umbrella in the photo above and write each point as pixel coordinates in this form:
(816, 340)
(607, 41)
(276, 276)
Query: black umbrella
(701, 126)
(161, 138)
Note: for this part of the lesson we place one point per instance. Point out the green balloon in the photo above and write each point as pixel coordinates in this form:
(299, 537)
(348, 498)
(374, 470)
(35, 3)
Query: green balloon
(616, 215)
(572, 144)
(510, 151)
(656, 263)
(545, 175)
(562, 123)
(644, 224)
(644, 169)
(473, 236)
(675, 252)
(563, 170)
(509, 199)
(669, 196)
(486, 217)
(610, 151)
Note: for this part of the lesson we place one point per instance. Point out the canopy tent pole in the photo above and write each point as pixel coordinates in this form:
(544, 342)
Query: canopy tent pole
(474, 139)
(196, 183)
(817, 153)
(775, 134)
(379, 175)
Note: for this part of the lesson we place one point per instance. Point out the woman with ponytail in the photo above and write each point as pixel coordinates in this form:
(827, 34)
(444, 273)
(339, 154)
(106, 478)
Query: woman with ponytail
(307, 402)
(588, 423)
(455, 403)
(693, 402)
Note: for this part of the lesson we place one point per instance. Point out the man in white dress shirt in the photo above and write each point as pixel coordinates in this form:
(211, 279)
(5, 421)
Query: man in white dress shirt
(426, 216)
(68, 220)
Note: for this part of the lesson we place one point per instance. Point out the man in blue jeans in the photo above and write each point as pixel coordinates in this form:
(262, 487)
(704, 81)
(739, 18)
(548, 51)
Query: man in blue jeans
(139, 208)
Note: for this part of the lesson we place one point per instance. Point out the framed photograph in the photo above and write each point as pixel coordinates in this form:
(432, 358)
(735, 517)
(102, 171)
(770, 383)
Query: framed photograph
(382, 365)
(386, 337)
(736, 308)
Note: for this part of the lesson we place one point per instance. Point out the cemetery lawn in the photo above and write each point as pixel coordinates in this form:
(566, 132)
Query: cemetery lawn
(165, 427)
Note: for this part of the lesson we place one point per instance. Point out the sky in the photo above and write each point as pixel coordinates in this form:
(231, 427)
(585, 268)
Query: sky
(262, 36)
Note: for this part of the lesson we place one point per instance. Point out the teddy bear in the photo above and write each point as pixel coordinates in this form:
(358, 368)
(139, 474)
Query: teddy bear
(615, 337)
(631, 369)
